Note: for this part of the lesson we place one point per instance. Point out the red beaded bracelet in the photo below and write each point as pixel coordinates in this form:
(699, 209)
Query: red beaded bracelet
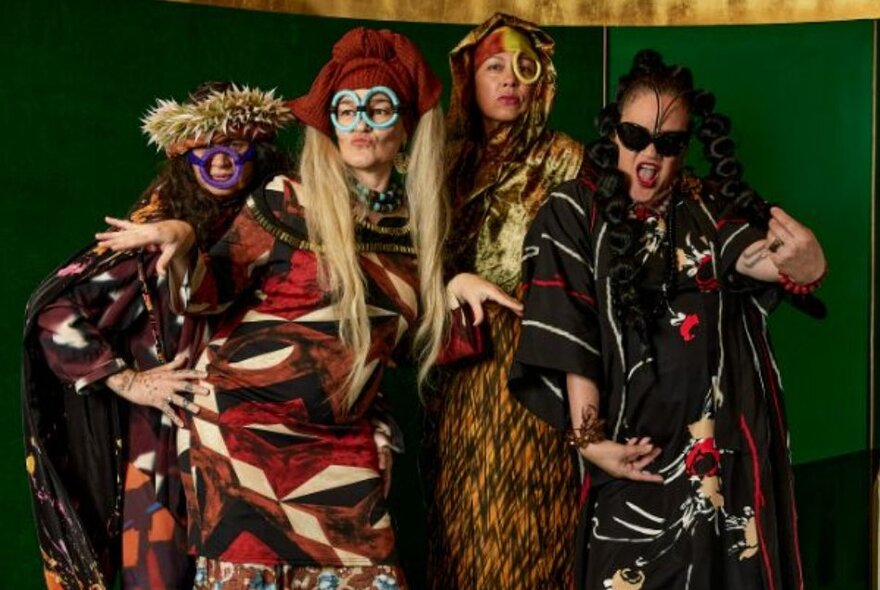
(801, 288)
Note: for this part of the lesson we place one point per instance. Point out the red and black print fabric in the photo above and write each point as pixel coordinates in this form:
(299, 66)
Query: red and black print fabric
(278, 468)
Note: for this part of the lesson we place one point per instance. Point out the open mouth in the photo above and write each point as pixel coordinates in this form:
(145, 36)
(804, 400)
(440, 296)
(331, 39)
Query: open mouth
(509, 100)
(647, 175)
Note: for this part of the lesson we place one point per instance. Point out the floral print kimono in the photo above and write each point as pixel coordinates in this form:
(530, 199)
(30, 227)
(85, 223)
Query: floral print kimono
(705, 389)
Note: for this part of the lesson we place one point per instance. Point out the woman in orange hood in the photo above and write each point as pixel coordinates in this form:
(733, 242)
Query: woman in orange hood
(504, 496)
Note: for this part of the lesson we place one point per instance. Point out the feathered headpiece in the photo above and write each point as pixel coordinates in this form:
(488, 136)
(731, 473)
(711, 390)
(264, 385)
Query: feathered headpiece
(236, 113)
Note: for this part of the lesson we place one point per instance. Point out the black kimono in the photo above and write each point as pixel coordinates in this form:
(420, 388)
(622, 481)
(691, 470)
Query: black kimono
(705, 389)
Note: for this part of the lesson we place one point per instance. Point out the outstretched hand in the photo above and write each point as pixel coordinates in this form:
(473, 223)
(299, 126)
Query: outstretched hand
(624, 461)
(475, 291)
(172, 236)
(794, 249)
(160, 387)
(789, 248)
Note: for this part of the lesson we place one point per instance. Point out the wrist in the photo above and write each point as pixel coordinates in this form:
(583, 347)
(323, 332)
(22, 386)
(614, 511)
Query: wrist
(177, 232)
(590, 450)
(120, 382)
(801, 288)
(585, 436)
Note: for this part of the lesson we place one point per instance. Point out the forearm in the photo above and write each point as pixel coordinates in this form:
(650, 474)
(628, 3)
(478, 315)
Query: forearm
(583, 399)
(625, 461)
(755, 263)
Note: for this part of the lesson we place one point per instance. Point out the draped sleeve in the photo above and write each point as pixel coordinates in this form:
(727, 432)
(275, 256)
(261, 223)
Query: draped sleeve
(733, 234)
(560, 327)
(76, 328)
(215, 278)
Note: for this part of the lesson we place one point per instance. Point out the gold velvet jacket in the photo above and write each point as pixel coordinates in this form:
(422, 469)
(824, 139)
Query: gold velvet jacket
(499, 182)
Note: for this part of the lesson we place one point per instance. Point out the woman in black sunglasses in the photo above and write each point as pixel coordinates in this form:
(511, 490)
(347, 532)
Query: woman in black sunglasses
(644, 334)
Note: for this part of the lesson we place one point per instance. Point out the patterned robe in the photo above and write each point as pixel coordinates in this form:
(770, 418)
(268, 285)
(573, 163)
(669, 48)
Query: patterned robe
(504, 493)
(103, 473)
(706, 391)
(279, 471)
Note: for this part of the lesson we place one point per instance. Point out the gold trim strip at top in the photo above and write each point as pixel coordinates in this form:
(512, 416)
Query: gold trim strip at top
(576, 12)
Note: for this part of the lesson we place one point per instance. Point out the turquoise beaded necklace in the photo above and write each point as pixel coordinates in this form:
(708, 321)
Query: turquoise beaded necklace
(379, 201)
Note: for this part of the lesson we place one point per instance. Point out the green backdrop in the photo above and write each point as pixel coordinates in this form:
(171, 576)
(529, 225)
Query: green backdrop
(77, 75)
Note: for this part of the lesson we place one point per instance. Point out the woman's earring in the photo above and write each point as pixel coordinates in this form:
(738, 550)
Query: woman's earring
(401, 162)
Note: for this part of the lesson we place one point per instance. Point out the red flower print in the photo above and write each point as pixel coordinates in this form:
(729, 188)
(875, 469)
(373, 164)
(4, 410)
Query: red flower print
(687, 327)
(703, 459)
(705, 277)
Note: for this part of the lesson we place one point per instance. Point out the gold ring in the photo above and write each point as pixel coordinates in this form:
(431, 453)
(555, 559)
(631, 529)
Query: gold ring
(519, 74)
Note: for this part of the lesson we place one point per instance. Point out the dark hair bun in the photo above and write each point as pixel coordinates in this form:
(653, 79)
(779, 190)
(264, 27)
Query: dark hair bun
(607, 119)
(703, 103)
(727, 168)
(621, 238)
(713, 127)
(647, 61)
(719, 148)
(603, 153)
(683, 76)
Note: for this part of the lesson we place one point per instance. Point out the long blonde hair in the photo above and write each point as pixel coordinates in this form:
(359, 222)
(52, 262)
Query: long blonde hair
(326, 182)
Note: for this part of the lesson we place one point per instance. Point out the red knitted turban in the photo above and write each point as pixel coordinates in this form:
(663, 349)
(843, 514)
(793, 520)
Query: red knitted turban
(364, 58)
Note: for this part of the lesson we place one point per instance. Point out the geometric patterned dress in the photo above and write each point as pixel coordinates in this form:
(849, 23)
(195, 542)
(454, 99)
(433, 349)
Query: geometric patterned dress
(705, 389)
(282, 477)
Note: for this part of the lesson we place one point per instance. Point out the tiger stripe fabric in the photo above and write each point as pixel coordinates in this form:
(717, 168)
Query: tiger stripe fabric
(505, 491)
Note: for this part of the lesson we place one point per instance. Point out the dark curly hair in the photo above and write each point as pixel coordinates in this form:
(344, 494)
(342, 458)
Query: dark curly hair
(180, 195)
(650, 73)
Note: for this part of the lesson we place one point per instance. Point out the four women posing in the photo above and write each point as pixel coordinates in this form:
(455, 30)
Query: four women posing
(643, 337)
